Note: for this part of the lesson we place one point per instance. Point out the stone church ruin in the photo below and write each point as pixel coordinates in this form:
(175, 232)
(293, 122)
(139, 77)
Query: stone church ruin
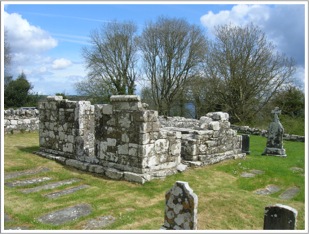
(124, 140)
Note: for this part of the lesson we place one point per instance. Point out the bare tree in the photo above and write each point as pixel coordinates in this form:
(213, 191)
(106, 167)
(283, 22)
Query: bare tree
(7, 53)
(111, 59)
(246, 70)
(172, 51)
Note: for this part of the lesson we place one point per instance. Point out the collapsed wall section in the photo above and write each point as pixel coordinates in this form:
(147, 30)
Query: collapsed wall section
(208, 140)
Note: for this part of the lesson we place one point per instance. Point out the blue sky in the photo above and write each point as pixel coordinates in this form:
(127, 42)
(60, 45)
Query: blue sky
(46, 39)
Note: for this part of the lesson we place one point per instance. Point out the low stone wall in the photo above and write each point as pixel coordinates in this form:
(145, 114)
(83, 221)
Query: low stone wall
(206, 141)
(21, 120)
(261, 132)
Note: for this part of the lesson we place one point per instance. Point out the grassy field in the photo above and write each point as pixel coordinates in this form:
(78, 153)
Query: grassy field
(226, 200)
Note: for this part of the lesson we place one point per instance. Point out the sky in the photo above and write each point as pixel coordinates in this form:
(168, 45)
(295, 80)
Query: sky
(46, 38)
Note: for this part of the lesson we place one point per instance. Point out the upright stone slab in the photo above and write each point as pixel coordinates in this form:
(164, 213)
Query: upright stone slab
(180, 208)
(280, 217)
(274, 145)
(245, 145)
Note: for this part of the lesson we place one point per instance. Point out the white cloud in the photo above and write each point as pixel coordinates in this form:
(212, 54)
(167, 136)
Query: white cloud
(26, 38)
(29, 45)
(61, 63)
(283, 24)
(239, 15)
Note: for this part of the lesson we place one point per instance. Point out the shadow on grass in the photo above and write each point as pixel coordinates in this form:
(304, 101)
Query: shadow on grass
(29, 149)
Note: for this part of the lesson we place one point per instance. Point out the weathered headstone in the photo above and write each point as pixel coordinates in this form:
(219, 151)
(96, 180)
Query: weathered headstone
(280, 217)
(245, 145)
(274, 145)
(180, 208)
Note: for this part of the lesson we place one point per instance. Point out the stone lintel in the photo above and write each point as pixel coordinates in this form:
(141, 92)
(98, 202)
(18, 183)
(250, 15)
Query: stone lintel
(54, 98)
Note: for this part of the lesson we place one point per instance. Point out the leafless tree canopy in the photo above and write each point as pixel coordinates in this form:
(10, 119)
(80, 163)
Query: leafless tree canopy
(7, 53)
(172, 51)
(244, 70)
(112, 56)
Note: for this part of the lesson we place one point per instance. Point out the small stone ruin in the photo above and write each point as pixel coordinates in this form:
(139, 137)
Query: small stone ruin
(206, 141)
(123, 140)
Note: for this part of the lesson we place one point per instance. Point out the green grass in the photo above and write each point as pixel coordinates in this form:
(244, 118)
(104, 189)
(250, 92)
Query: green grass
(226, 200)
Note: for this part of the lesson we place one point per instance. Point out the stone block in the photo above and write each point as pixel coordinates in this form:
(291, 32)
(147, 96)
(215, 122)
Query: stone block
(113, 173)
(96, 169)
(77, 164)
(138, 178)
(111, 142)
(214, 125)
(175, 149)
(123, 149)
(54, 98)
(161, 146)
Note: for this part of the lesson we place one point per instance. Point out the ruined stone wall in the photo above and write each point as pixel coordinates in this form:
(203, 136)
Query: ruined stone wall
(129, 138)
(123, 140)
(67, 128)
(120, 140)
(264, 133)
(211, 139)
(21, 120)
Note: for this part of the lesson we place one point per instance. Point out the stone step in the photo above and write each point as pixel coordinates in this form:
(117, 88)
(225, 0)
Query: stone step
(66, 191)
(66, 215)
(12, 175)
(20, 183)
(50, 186)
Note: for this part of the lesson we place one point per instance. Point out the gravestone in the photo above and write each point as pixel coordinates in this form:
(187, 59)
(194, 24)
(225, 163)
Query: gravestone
(180, 208)
(245, 145)
(20, 183)
(279, 217)
(289, 193)
(66, 215)
(274, 145)
(50, 186)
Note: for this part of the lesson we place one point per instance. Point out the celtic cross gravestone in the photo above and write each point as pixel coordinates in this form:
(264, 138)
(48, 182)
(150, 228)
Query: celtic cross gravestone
(274, 145)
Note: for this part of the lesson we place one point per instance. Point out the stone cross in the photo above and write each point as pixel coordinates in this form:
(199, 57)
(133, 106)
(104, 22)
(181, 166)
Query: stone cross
(274, 145)
(180, 208)
(280, 217)
(276, 112)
